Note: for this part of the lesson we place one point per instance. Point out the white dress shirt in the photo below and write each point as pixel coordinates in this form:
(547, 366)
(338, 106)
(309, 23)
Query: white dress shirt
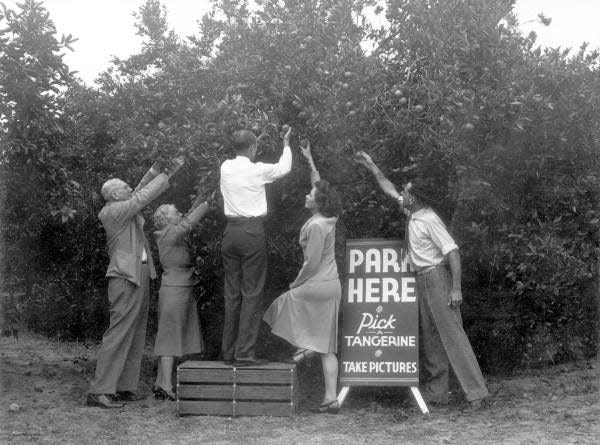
(243, 183)
(428, 239)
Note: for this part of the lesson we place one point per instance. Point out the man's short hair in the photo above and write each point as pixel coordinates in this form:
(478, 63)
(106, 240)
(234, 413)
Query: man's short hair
(242, 140)
(108, 187)
(426, 191)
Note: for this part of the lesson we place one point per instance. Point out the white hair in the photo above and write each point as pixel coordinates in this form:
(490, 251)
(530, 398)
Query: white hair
(108, 187)
(161, 216)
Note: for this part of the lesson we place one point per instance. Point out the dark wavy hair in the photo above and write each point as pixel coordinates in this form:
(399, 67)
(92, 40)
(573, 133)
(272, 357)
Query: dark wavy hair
(327, 199)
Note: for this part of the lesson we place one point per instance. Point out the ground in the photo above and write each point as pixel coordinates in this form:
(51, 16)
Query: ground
(48, 379)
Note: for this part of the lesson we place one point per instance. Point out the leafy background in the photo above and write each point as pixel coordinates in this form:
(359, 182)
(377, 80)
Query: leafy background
(452, 92)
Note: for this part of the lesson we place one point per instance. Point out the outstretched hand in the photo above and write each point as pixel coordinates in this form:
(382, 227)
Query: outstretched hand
(305, 150)
(287, 131)
(364, 159)
(455, 298)
(156, 167)
(173, 166)
(212, 199)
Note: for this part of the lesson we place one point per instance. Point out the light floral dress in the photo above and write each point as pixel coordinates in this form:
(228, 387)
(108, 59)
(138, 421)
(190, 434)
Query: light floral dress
(307, 315)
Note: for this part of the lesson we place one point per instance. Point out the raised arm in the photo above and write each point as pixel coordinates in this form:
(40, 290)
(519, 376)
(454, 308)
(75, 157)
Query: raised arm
(152, 173)
(271, 172)
(385, 184)
(170, 169)
(189, 221)
(201, 206)
(200, 199)
(140, 198)
(314, 173)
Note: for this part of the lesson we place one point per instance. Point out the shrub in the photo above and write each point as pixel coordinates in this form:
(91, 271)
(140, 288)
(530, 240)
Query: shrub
(507, 131)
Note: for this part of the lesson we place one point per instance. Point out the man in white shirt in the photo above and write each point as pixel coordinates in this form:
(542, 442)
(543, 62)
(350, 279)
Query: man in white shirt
(434, 256)
(244, 247)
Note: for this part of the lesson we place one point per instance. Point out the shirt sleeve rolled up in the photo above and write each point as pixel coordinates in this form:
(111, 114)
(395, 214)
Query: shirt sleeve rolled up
(272, 172)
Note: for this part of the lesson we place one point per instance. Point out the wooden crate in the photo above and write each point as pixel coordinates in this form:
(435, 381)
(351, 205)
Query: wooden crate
(213, 388)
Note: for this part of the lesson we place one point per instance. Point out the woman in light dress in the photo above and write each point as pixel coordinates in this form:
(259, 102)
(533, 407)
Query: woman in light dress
(307, 315)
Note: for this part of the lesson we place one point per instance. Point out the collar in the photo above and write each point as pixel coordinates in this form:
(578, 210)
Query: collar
(330, 221)
(419, 213)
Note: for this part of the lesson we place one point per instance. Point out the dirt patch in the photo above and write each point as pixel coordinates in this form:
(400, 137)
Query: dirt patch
(49, 379)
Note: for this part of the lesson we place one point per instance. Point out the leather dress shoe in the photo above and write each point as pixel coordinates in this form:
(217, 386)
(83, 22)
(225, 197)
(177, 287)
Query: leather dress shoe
(128, 396)
(250, 361)
(103, 401)
(473, 405)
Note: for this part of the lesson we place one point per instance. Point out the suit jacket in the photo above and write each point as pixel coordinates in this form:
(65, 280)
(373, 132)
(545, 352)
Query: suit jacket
(174, 252)
(124, 227)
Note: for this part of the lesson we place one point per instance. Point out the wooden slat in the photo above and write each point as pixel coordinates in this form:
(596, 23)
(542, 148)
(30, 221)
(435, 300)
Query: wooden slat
(251, 392)
(204, 365)
(271, 376)
(205, 392)
(194, 375)
(264, 409)
(242, 375)
(198, 407)
(220, 365)
(242, 392)
(209, 408)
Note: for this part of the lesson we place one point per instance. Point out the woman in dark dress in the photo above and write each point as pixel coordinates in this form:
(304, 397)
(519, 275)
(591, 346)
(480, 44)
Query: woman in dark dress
(178, 326)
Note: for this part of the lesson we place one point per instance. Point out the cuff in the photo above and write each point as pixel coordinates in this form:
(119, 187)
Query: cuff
(449, 248)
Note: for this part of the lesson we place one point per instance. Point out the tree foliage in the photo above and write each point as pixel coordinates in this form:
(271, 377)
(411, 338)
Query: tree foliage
(507, 131)
(39, 189)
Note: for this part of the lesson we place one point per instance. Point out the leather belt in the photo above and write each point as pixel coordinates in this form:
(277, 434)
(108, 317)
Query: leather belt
(244, 218)
(428, 269)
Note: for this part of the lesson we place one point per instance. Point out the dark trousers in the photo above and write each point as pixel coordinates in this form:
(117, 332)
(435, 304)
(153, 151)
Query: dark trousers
(245, 265)
(444, 342)
(120, 356)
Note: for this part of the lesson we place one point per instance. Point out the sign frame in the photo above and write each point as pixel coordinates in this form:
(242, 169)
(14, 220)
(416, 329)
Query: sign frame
(380, 327)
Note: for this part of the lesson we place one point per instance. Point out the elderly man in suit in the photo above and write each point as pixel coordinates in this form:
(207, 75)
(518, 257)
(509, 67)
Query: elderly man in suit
(129, 273)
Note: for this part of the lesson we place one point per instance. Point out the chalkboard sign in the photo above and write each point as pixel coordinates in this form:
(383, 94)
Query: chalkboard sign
(380, 344)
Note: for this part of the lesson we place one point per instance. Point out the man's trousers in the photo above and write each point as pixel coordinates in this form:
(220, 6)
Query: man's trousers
(443, 341)
(245, 264)
(120, 356)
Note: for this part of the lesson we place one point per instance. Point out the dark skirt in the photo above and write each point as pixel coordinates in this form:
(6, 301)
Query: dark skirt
(178, 325)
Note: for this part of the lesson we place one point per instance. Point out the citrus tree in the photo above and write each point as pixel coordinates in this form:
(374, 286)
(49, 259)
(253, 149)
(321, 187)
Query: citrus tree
(450, 91)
